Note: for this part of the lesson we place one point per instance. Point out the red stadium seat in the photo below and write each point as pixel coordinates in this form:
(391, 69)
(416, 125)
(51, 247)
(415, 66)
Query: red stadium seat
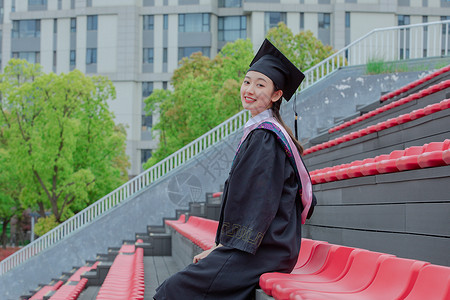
(409, 159)
(403, 118)
(306, 250)
(330, 175)
(418, 113)
(433, 282)
(388, 165)
(445, 104)
(316, 261)
(394, 280)
(358, 277)
(336, 262)
(432, 108)
(370, 168)
(433, 155)
(446, 156)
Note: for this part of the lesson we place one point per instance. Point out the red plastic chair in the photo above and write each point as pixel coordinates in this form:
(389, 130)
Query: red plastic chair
(433, 155)
(433, 282)
(337, 260)
(418, 113)
(432, 108)
(409, 159)
(306, 250)
(358, 277)
(446, 156)
(316, 261)
(388, 165)
(403, 119)
(445, 104)
(370, 168)
(341, 173)
(330, 175)
(394, 280)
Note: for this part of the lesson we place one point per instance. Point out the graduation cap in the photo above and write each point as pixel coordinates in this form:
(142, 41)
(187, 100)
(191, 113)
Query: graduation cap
(272, 63)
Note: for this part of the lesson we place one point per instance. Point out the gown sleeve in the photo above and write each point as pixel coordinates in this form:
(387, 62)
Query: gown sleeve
(253, 192)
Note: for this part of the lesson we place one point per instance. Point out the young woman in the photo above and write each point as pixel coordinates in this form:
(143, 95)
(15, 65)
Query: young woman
(266, 198)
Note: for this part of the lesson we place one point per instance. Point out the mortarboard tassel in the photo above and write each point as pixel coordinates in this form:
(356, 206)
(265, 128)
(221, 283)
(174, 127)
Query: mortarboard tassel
(296, 117)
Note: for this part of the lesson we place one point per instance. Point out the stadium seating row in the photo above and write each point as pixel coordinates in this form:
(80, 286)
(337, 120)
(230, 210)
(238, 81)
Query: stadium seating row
(416, 114)
(43, 291)
(326, 271)
(429, 155)
(125, 279)
(414, 84)
(71, 289)
(199, 230)
(416, 96)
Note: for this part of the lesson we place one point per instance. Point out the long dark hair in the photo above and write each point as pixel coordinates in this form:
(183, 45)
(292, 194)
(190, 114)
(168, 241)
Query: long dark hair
(276, 113)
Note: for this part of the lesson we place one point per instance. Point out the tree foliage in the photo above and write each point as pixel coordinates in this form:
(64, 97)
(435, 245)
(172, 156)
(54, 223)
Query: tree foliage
(60, 137)
(303, 49)
(206, 92)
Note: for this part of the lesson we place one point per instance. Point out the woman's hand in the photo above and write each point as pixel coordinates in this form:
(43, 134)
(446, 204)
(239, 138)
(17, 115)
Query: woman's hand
(204, 254)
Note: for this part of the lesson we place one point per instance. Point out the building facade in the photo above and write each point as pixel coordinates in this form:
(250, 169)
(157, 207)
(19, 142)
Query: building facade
(138, 43)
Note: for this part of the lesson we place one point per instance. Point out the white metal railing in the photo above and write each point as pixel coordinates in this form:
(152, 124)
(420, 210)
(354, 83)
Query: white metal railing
(120, 194)
(412, 41)
(387, 44)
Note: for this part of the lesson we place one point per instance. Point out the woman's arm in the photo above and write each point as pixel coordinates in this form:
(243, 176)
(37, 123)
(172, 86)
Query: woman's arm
(204, 254)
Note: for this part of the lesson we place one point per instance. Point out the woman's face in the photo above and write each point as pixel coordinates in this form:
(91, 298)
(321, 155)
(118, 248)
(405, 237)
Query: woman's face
(258, 92)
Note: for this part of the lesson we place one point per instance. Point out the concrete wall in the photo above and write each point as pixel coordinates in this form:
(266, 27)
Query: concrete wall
(202, 174)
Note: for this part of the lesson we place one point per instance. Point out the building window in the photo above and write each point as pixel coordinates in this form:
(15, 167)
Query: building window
(232, 28)
(273, 18)
(147, 88)
(347, 19)
(164, 85)
(146, 154)
(54, 58)
(73, 25)
(187, 51)
(37, 4)
(193, 22)
(31, 57)
(26, 28)
(89, 3)
(230, 3)
(55, 26)
(59, 4)
(148, 22)
(164, 55)
(73, 57)
(147, 123)
(403, 20)
(148, 56)
(302, 21)
(92, 22)
(324, 20)
(72, 4)
(165, 22)
(91, 56)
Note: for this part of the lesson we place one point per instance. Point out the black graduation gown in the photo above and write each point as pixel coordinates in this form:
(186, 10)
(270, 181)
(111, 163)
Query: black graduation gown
(259, 227)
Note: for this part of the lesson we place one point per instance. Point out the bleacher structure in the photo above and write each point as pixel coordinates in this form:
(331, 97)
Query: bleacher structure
(381, 229)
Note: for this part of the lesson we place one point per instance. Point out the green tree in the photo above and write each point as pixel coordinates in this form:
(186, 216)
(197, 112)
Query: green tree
(303, 49)
(206, 93)
(9, 190)
(62, 137)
